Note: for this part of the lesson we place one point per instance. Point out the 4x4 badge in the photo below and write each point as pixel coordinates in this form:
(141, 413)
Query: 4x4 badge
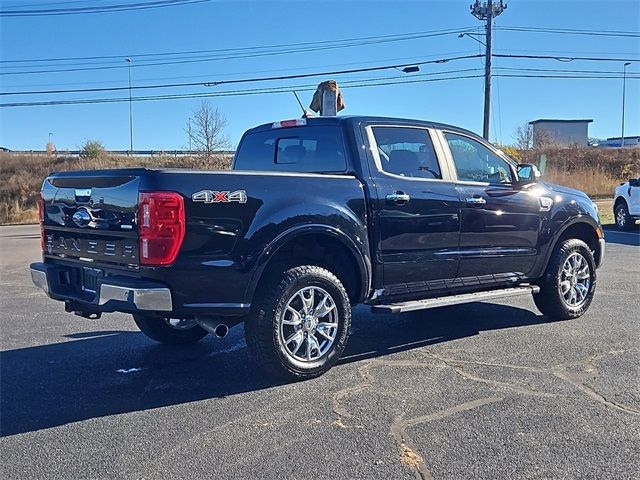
(212, 196)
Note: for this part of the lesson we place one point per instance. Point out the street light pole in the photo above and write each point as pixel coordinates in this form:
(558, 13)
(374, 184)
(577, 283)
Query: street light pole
(624, 85)
(128, 60)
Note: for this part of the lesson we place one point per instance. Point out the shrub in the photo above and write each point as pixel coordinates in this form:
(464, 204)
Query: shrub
(511, 152)
(92, 149)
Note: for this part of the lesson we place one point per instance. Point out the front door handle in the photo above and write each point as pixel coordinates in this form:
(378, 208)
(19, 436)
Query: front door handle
(476, 201)
(398, 197)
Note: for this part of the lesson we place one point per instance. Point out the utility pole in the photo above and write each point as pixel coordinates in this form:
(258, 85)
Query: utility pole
(487, 11)
(189, 135)
(624, 85)
(128, 60)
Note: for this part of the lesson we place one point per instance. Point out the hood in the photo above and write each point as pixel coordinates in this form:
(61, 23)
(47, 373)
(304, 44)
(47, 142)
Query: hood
(565, 190)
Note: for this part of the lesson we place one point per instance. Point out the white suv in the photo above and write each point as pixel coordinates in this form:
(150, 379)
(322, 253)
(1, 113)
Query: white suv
(626, 206)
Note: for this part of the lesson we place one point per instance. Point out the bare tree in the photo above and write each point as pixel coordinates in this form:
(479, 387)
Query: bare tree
(526, 140)
(205, 129)
(524, 137)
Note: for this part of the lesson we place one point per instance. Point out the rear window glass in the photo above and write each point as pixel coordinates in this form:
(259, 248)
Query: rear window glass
(298, 149)
(407, 151)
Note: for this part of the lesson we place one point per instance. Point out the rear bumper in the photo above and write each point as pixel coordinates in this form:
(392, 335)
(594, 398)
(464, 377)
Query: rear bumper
(113, 293)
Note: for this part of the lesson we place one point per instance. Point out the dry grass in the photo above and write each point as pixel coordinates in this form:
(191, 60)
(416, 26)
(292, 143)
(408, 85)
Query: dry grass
(605, 210)
(21, 176)
(596, 171)
(595, 182)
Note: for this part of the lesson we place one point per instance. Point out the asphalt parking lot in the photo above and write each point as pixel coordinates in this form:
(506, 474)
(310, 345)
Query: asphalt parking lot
(474, 391)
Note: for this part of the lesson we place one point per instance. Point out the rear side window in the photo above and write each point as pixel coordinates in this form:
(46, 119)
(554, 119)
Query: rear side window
(407, 152)
(299, 149)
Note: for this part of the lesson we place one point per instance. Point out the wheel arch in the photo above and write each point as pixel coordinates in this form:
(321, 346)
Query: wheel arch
(583, 228)
(619, 199)
(347, 261)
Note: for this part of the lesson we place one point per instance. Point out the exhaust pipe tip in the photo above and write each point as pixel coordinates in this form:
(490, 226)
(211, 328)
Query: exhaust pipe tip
(221, 331)
(213, 326)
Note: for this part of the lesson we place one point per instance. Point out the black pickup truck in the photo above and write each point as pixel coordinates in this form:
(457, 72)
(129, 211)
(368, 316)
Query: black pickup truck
(317, 215)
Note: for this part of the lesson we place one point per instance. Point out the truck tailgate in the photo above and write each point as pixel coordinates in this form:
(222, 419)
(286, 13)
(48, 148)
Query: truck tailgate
(91, 217)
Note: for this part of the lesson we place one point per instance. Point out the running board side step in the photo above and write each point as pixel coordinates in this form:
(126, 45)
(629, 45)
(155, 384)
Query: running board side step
(455, 299)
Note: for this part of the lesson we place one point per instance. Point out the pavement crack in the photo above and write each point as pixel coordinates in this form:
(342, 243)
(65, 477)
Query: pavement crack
(593, 393)
(366, 380)
(408, 452)
(338, 397)
(494, 383)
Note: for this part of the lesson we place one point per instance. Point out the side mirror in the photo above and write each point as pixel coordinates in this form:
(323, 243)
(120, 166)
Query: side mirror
(633, 182)
(528, 173)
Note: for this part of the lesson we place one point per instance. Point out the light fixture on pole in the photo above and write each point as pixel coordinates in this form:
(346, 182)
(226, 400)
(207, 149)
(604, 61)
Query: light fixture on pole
(624, 85)
(471, 35)
(128, 60)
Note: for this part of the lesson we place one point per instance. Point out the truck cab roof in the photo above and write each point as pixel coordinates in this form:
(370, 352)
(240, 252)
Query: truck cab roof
(358, 119)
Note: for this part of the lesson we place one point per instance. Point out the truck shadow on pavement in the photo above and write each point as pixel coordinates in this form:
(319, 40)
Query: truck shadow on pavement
(631, 237)
(102, 373)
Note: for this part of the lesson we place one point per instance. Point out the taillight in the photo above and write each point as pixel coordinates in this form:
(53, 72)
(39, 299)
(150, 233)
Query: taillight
(161, 227)
(41, 220)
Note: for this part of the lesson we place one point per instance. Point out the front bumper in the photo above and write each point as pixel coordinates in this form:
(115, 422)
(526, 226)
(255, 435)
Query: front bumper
(600, 256)
(113, 293)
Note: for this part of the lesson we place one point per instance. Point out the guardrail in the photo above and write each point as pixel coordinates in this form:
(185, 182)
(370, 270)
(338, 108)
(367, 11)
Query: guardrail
(133, 153)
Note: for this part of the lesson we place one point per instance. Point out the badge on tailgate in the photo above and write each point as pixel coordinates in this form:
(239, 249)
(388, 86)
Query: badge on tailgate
(212, 196)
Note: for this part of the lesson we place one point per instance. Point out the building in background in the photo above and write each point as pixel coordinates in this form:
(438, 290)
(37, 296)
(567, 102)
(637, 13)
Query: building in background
(631, 141)
(560, 132)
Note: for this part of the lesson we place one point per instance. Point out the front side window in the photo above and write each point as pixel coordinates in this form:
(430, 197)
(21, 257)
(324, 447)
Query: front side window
(476, 163)
(407, 152)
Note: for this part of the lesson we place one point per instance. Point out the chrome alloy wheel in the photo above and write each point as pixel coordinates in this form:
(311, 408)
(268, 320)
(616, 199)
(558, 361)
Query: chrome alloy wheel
(621, 217)
(575, 279)
(181, 323)
(308, 324)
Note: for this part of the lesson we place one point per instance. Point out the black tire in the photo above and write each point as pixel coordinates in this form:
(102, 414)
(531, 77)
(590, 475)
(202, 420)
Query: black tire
(159, 329)
(265, 341)
(550, 301)
(624, 221)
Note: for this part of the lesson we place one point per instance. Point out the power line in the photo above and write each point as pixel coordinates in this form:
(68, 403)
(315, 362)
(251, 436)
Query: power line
(228, 50)
(122, 7)
(228, 93)
(204, 77)
(288, 89)
(139, 56)
(591, 77)
(106, 62)
(560, 70)
(50, 4)
(242, 80)
(297, 76)
(289, 77)
(292, 48)
(567, 58)
(541, 57)
(570, 31)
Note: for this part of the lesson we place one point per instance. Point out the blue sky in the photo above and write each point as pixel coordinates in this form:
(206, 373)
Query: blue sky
(233, 24)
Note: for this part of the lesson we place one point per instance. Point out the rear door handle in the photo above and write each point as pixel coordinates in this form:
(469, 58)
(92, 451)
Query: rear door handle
(398, 197)
(476, 201)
